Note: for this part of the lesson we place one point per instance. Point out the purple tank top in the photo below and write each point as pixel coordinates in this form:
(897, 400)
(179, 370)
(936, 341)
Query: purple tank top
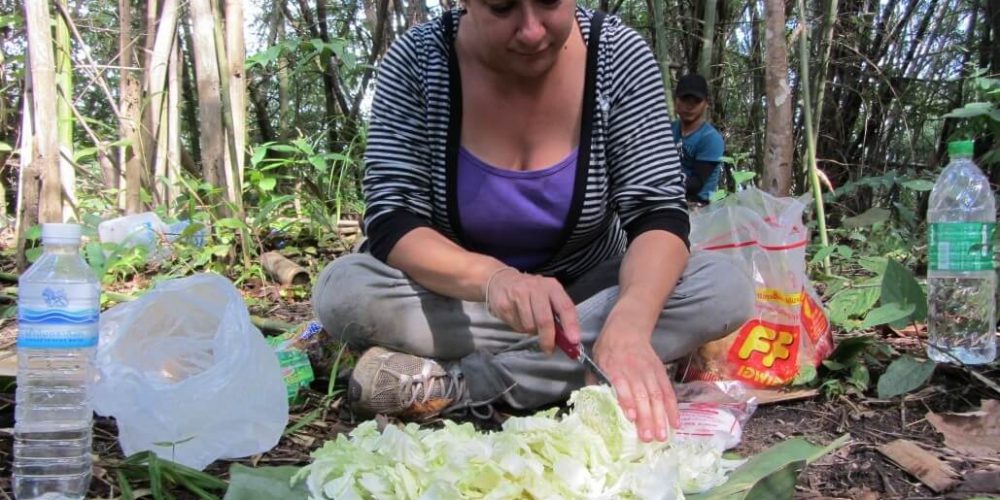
(515, 216)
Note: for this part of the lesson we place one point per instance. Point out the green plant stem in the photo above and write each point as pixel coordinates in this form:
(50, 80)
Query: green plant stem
(810, 139)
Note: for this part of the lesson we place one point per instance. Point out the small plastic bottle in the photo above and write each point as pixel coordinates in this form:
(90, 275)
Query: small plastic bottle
(961, 309)
(58, 311)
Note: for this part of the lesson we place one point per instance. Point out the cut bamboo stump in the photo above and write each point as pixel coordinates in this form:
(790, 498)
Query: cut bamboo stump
(282, 270)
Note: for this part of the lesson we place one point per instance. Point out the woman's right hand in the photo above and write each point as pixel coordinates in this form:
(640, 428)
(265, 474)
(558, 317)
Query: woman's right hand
(530, 304)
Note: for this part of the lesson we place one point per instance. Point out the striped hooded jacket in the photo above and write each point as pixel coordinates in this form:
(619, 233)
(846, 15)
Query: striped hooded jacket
(628, 177)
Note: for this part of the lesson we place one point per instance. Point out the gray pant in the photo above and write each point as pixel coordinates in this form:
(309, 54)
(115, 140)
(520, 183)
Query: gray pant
(366, 302)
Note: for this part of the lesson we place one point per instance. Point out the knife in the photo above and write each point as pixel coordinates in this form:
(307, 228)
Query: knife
(578, 353)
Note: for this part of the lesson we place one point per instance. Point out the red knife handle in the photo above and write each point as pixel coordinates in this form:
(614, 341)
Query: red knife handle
(572, 350)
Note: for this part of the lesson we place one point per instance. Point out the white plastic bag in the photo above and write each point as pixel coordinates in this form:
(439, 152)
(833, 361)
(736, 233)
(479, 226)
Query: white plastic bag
(187, 375)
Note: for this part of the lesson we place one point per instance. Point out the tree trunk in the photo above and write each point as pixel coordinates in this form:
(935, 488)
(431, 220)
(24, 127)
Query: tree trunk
(779, 141)
(261, 113)
(64, 111)
(29, 177)
(45, 158)
(212, 136)
(758, 85)
(130, 110)
(236, 54)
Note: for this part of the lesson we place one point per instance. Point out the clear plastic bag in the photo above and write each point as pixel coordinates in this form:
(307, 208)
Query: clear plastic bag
(187, 375)
(714, 411)
(789, 328)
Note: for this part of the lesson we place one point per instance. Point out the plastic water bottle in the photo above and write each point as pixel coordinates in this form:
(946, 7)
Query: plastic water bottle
(961, 312)
(58, 310)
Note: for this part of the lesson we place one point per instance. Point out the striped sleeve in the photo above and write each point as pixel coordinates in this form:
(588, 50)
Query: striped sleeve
(647, 186)
(397, 182)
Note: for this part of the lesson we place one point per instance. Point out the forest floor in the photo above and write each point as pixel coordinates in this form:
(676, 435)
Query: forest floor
(856, 471)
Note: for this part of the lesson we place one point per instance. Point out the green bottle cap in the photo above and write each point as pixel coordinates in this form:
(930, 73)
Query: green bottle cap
(961, 148)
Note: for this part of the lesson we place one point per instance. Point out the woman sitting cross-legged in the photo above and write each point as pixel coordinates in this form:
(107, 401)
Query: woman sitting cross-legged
(520, 171)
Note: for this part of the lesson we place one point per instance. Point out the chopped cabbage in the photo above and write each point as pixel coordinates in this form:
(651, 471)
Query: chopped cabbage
(590, 453)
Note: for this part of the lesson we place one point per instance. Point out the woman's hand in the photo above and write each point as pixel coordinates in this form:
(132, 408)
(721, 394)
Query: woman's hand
(645, 393)
(528, 304)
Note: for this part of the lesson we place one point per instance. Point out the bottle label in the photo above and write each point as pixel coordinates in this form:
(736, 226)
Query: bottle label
(58, 316)
(961, 246)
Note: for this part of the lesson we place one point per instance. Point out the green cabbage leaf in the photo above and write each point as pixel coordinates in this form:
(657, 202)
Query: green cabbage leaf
(591, 452)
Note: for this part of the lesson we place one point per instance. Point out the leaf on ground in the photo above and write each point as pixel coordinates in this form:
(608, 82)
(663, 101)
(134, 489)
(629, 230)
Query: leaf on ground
(779, 461)
(904, 375)
(851, 302)
(899, 286)
(887, 313)
(920, 463)
(778, 484)
(263, 483)
(974, 434)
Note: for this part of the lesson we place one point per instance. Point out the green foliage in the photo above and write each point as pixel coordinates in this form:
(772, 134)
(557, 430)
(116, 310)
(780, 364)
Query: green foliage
(741, 176)
(905, 374)
(264, 483)
(773, 472)
(900, 287)
(980, 117)
(847, 369)
(163, 475)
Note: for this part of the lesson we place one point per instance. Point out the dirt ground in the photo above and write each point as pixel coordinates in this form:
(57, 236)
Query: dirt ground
(856, 471)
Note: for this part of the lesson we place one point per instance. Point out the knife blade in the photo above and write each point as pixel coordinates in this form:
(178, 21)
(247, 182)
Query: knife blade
(578, 353)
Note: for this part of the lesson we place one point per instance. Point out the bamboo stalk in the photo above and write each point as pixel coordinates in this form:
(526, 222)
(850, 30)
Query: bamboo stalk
(156, 84)
(236, 53)
(232, 170)
(89, 61)
(64, 114)
(829, 19)
(173, 124)
(810, 138)
(209, 101)
(707, 39)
